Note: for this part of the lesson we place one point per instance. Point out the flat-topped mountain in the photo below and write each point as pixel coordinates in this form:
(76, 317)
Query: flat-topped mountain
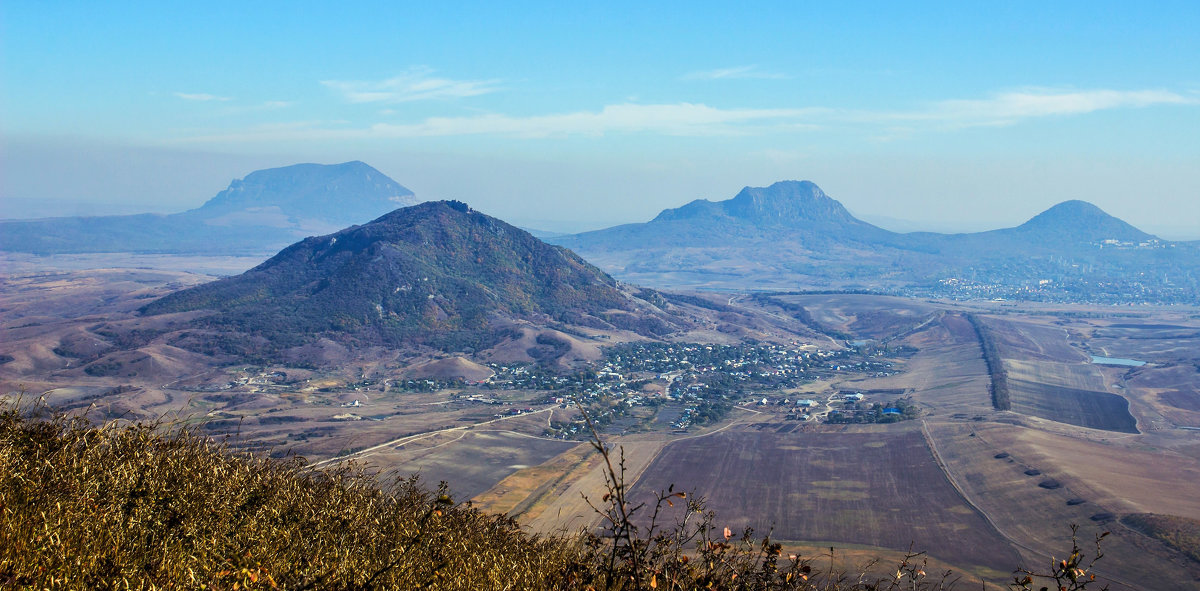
(437, 274)
(260, 213)
(331, 196)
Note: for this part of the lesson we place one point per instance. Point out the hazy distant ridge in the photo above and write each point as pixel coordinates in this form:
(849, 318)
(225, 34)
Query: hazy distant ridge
(261, 213)
(792, 235)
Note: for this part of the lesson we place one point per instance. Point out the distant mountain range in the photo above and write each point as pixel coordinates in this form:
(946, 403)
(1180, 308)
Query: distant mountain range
(791, 235)
(787, 236)
(259, 214)
(436, 274)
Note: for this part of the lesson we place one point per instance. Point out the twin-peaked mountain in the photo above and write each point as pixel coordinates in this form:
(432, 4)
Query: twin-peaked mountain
(786, 203)
(261, 213)
(791, 235)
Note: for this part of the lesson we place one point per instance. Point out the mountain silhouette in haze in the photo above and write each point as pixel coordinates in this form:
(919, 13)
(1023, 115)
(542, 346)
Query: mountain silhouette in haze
(798, 210)
(791, 235)
(437, 274)
(1081, 221)
(310, 195)
(260, 213)
(785, 202)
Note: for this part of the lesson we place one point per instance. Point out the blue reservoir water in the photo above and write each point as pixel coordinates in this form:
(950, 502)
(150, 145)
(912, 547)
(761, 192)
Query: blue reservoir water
(1117, 361)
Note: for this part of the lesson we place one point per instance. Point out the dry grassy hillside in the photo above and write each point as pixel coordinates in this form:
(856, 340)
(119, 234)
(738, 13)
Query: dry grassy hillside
(155, 507)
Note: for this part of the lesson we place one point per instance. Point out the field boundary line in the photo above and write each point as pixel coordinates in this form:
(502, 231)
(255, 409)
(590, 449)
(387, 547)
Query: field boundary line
(937, 457)
(530, 436)
(933, 446)
(715, 431)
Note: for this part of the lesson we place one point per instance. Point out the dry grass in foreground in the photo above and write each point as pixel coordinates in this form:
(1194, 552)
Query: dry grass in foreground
(137, 506)
(87, 507)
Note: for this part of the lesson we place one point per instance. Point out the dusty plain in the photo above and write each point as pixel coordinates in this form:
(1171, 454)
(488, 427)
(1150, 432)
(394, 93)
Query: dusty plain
(981, 490)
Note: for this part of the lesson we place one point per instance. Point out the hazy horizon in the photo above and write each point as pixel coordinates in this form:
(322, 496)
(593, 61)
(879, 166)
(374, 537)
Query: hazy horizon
(32, 209)
(930, 116)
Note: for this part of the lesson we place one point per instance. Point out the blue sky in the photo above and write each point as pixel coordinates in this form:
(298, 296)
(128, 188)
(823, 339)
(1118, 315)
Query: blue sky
(952, 115)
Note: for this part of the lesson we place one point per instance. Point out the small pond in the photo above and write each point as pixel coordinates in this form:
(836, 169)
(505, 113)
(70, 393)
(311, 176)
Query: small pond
(1117, 361)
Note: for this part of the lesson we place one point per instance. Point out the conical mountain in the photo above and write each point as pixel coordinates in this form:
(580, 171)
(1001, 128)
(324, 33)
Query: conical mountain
(1080, 221)
(437, 273)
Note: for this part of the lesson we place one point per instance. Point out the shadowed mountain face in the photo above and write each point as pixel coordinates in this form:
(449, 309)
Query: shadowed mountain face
(791, 235)
(258, 214)
(437, 273)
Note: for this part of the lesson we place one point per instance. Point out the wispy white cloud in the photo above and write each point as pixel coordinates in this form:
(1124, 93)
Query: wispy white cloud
(1012, 107)
(680, 119)
(696, 119)
(739, 72)
(417, 84)
(188, 96)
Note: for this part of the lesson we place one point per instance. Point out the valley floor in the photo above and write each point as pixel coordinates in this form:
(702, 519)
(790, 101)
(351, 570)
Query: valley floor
(981, 490)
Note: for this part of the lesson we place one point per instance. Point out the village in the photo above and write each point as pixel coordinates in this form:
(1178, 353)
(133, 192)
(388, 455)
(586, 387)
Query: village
(638, 387)
(649, 386)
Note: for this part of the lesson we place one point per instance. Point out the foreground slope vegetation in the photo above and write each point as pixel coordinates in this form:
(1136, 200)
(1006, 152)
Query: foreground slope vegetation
(139, 506)
(90, 507)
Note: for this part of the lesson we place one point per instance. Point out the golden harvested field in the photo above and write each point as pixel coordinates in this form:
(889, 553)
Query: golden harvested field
(562, 507)
(470, 461)
(518, 491)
